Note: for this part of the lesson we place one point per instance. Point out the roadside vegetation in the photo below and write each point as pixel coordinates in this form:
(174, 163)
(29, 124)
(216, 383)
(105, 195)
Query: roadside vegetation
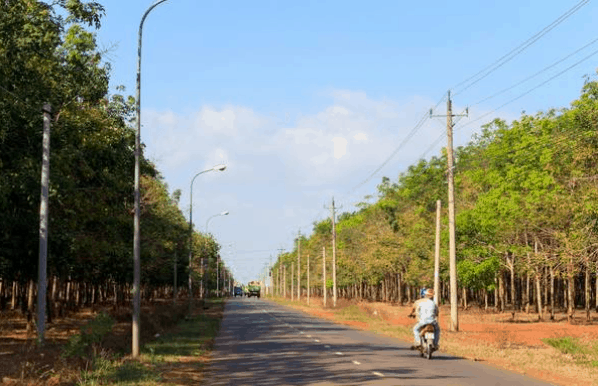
(94, 347)
(176, 357)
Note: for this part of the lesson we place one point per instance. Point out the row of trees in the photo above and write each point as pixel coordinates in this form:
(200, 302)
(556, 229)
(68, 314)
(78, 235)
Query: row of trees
(527, 221)
(48, 53)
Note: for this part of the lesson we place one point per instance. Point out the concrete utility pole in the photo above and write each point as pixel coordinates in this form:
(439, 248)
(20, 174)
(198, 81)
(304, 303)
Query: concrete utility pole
(292, 281)
(451, 210)
(280, 265)
(333, 254)
(324, 273)
(308, 288)
(299, 266)
(437, 255)
(43, 226)
(284, 279)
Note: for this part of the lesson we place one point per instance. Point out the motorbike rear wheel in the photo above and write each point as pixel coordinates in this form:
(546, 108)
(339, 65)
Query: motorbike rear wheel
(429, 350)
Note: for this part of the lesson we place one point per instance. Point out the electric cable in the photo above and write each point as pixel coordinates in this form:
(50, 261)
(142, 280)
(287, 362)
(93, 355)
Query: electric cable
(517, 50)
(530, 90)
(534, 75)
(403, 143)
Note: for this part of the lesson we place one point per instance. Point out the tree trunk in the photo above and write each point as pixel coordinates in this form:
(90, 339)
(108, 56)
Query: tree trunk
(496, 292)
(539, 294)
(552, 293)
(511, 265)
(588, 290)
(15, 289)
(501, 292)
(30, 305)
(400, 292)
(526, 293)
(570, 291)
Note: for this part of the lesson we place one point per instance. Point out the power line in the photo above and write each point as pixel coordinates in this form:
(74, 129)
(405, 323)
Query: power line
(517, 50)
(536, 74)
(530, 90)
(403, 143)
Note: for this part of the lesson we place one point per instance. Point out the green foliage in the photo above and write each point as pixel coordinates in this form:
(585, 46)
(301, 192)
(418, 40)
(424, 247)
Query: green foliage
(112, 372)
(478, 274)
(581, 353)
(91, 334)
(49, 53)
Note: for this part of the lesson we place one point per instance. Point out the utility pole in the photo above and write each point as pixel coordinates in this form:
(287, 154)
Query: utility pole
(333, 254)
(324, 273)
(43, 225)
(437, 255)
(280, 265)
(292, 281)
(284, 279)
(299, 266)
(308, 288)
(451, 210)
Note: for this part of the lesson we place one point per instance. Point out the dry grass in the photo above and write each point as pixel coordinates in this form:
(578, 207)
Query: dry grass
(33, 365)
(512, 342)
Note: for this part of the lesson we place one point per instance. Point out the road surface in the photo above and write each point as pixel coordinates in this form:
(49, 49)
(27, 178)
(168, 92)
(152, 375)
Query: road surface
(262, 343)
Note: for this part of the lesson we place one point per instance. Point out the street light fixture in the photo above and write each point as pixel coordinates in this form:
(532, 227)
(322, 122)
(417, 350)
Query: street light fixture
(217, 168)
(225, 213)
(136, 232)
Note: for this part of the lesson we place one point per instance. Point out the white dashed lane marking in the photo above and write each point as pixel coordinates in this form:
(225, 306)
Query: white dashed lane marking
(326, 346)
(377, 373)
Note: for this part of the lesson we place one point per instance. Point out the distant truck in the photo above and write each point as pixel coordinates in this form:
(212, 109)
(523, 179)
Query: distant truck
(253, 289)
(238, 291)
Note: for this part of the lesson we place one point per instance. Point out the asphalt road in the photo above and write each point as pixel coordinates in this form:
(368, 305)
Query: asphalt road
(263, 343)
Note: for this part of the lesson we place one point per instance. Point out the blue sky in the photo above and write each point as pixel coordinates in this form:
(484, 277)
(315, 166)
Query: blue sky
(304, 100)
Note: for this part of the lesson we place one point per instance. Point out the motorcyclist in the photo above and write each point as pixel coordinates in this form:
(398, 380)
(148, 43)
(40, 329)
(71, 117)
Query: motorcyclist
(426, 311)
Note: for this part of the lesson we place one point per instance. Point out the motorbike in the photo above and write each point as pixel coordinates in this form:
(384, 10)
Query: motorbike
(426, 338)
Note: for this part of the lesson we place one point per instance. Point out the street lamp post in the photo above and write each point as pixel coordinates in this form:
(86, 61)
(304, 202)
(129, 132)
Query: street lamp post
(215, 168)
(136, 234)
(225, 213)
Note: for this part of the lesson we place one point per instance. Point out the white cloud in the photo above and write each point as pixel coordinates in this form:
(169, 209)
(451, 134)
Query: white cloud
(340, 147)
(360, 137)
